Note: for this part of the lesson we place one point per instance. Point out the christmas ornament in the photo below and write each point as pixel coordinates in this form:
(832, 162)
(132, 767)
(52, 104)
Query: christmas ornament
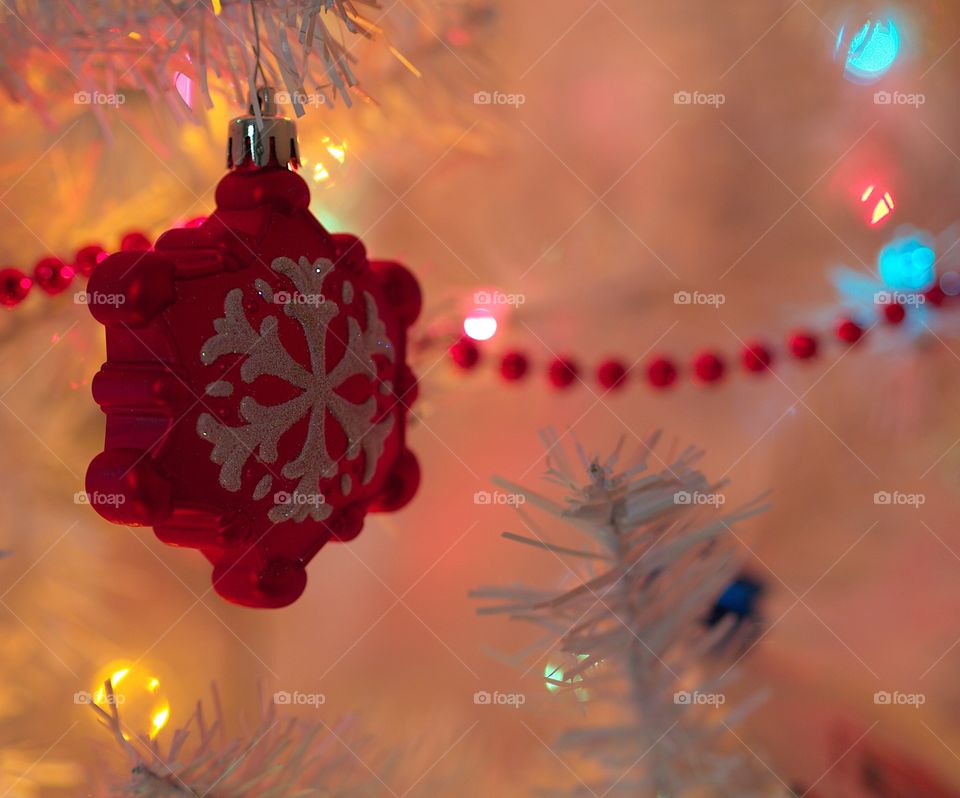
(255, 386)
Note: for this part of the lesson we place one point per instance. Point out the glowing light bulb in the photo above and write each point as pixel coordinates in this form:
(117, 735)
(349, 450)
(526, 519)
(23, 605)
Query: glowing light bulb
(140, 702)
(480, 325)
(871, 52)
(879, 202)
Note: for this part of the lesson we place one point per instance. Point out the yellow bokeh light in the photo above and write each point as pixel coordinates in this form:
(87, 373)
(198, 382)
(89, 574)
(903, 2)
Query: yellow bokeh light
(332, 155)
(137, 693)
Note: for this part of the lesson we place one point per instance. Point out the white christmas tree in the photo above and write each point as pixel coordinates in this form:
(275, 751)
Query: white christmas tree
(629, 629)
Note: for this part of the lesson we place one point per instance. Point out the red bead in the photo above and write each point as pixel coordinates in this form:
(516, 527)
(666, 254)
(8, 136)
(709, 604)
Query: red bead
(894, 313)
(52, 275)
(135, 242)
(661, 373)
(849, 331)
(87, 258)
(709, 367)
(514, 366)
(802, 345)
(934, 296)
(465, 353)
(756, 357)
(611, 374)
(14, 287)
(562, 372)
(195, 222)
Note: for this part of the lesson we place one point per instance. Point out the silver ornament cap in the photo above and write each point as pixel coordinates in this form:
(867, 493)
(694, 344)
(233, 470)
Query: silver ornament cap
(263, 139)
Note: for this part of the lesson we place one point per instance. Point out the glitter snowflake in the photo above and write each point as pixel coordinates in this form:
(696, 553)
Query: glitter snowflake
(265, 354)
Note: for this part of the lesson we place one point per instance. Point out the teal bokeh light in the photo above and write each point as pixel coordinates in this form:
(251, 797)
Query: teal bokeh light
(871, 51)
(908, 263)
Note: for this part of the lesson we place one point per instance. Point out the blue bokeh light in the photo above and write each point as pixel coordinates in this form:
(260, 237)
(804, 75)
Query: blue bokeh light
(871, 52)
(908, 263)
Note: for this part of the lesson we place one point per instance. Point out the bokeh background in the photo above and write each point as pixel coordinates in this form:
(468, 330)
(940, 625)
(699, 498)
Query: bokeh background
(596, 199)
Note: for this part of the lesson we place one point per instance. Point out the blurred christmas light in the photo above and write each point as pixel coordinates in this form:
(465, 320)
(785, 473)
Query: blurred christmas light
(553, 674)
(137, 694)
(325, 167)
(871, 51)
(907, 263)
(879, 202)
(480, 325)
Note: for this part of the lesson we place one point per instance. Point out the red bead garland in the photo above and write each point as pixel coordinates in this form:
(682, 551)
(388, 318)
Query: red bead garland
(465, 353)
(756, 358)
(611, 374)
(802, 345)
(849, 331)
(894, 313)
(562, 372)
(709, 367)
(514, 366)
(661, 373)
(14, 286)
(53, 275)
(87, 258)
(135, 241)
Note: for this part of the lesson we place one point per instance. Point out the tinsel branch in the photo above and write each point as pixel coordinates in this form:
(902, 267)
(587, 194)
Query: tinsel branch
(629, 630)
(111, 46)
(279, 758)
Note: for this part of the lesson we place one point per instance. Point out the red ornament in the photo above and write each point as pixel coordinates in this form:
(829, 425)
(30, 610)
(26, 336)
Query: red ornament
(52, 275)
(612, 374)
(661, 373)
(256, 387)
(802, 345)
(465, 353)
(87, 258)
(135, 242)
(756, 358)
(708, 367)
(14, 287)
(562, 372)
(514, 366)
(894, 313)
(849, 331)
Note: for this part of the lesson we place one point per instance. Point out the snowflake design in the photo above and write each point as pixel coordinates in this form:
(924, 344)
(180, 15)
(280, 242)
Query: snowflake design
(265, 424)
